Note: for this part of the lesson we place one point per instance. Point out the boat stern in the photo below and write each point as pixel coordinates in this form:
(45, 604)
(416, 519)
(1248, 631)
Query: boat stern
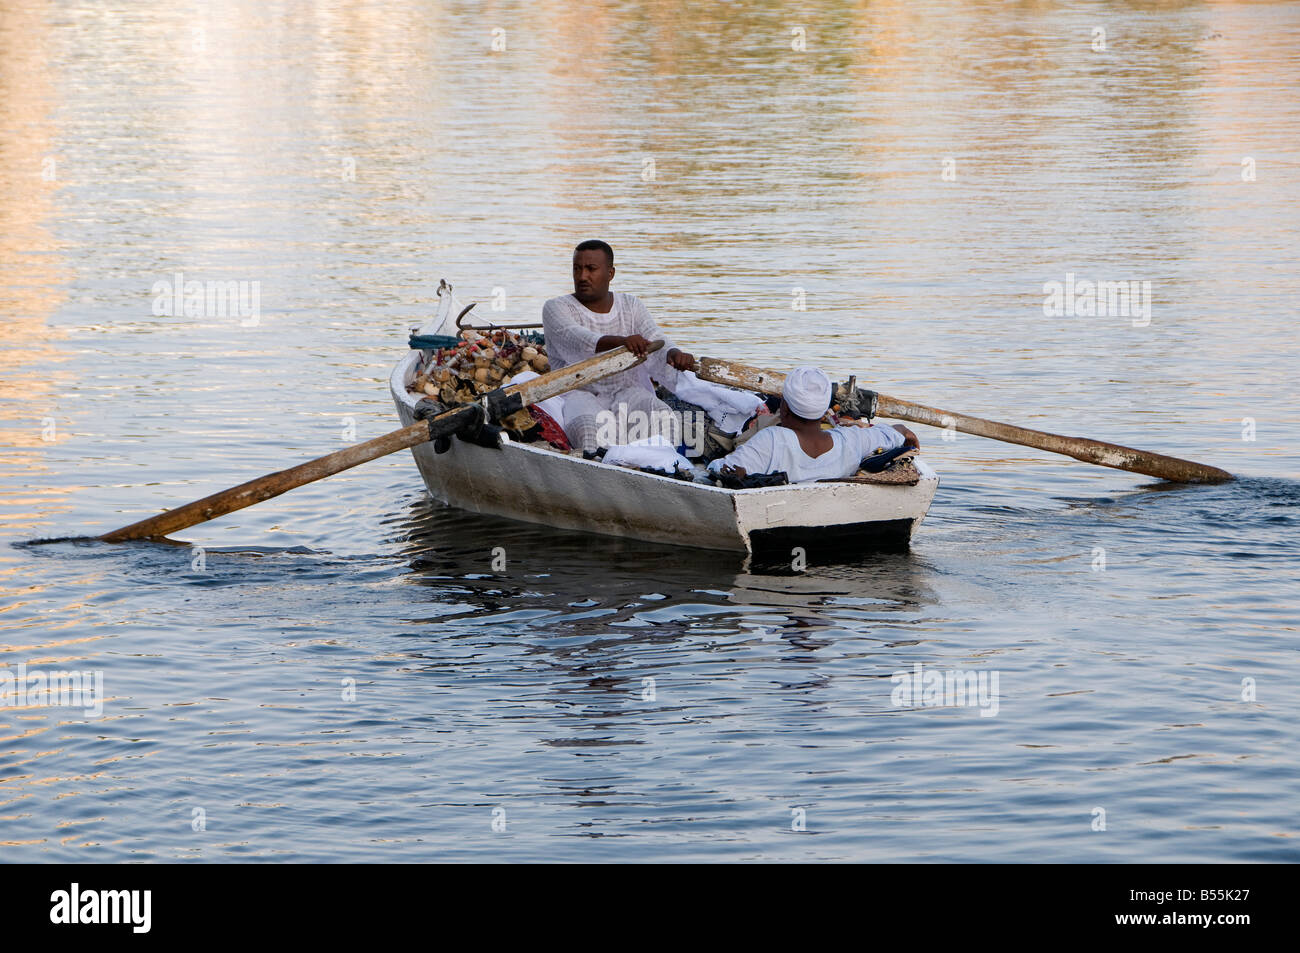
(829, 521)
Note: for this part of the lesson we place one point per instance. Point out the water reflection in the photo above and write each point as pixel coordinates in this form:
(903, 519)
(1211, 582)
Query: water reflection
(444, 543)
(649, 609)
(349, 155)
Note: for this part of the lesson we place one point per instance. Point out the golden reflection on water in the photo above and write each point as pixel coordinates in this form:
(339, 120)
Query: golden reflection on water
(33, 274)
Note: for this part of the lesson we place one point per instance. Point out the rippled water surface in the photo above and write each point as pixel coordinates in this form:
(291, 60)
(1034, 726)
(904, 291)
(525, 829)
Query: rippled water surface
(917, 172)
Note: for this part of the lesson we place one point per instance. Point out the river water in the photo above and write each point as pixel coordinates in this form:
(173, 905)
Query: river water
(886, 189)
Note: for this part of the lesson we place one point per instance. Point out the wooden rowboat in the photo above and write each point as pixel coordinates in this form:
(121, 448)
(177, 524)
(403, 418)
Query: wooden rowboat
(536, 483)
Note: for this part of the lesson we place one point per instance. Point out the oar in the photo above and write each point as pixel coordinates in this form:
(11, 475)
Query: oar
(496, 404)
(1081, 448)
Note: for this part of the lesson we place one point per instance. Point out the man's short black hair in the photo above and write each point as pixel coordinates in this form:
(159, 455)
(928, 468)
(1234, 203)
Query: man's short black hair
(595, 244)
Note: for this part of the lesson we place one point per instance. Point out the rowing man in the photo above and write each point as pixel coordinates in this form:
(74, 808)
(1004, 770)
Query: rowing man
(798, 444)
(595, 319)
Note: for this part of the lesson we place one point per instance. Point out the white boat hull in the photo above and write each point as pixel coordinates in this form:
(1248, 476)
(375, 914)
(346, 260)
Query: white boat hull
(531, 482)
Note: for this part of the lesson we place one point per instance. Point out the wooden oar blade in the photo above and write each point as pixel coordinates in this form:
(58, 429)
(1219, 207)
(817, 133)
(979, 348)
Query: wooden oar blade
(273, 484)
(1174, 469)
(498, 403)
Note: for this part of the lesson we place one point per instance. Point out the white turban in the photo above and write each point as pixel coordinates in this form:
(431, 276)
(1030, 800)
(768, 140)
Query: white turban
(808, 392)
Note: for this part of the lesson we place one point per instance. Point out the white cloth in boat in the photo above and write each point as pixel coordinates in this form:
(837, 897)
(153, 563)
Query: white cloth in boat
(654, 452)
(777, 448)
(728, 407)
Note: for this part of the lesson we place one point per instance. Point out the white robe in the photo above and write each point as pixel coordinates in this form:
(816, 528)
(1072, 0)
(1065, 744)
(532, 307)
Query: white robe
(777, 448)
(572, 331)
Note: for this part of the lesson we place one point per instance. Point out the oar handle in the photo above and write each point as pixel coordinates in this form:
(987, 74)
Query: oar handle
(503, 402)
(1174, 469)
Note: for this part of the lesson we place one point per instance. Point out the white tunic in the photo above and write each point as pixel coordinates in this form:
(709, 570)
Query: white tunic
(777, 448)
(572, 330)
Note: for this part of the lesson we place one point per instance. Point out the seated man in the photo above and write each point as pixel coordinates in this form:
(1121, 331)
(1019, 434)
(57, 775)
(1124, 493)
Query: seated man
(800, 447)
(594, 319)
